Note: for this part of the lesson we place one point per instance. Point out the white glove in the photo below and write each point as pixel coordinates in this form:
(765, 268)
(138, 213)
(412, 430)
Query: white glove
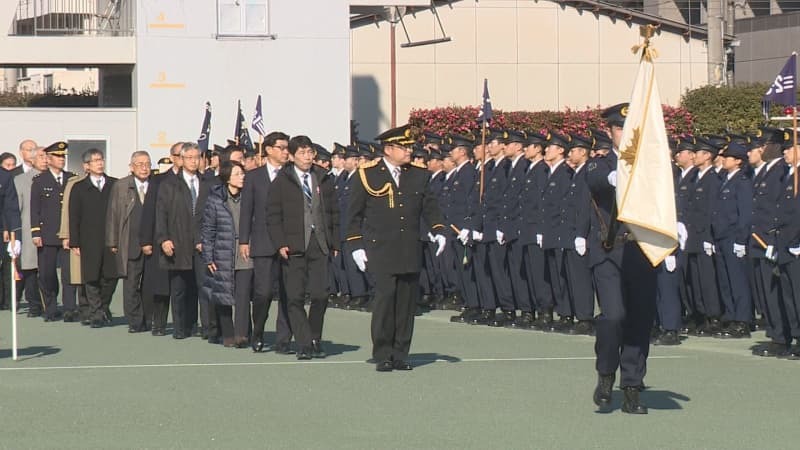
(708, 248)
(739, 250)
(440, 240)
(477, 236)
(539, 240)
(669, 263)
(430, 237)
(682, 235)
(499, 235)
(360, 257)
(463, 236)
(14, 248)
(795, 250)
(580, 245)
(612, 178)
(769, 252)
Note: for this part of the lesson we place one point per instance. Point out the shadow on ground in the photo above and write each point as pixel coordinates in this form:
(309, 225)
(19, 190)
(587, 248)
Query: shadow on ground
(30, 352)
(653, 399)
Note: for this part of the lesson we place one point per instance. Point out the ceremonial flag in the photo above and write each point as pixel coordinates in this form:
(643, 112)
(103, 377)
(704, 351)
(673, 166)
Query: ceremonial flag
(205, 131)
(258, 119)
(782, 91)
(485, 114)
(241, 133)
(645, 186)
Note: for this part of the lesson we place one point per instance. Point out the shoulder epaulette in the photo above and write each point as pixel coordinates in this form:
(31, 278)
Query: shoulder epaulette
(369, 164)
(38, 175)
(419, 165)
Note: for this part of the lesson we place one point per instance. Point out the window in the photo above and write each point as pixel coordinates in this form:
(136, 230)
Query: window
(243, 18)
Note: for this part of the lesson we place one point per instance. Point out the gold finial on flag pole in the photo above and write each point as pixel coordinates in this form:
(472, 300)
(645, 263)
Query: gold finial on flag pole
(647, 32)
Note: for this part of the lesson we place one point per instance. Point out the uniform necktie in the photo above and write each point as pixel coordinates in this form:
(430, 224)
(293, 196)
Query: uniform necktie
(306, 189)
(396, 175)
(193, 190)
(141, 193)
(100, 184)
(58, 180)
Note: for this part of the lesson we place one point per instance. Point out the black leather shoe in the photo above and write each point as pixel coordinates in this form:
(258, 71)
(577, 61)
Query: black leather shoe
(602, 393)
(773, 349)
(669, 337)
(524, 321)
(257, 345)
(355, 303)
(503, 319)
(304, 354)
(179, 335)
(734, 330)
(316, 349)
(214, 340)
(583, 327)
(34, 314)
(564, 325)
(466, 316)
(70, 316)
(484, 319)
(97, 323)
(134, 329)
(283, 348)
(384, 366)
(401, 365)
(544, 322)
(86, 322)
(158, 332)
(630, 401)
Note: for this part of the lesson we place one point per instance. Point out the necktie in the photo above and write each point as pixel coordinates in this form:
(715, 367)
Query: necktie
(100, 184)
(141, 193)
(58, 180)
(193, 190)
(396, 175)
(306, 189)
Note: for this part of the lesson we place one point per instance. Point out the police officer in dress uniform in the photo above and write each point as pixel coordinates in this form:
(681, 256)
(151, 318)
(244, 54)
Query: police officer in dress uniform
(383, 227)
(47, 194)
(624, 281)
(432, 278)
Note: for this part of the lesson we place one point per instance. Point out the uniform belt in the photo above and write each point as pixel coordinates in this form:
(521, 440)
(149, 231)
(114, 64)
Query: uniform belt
(620, 239)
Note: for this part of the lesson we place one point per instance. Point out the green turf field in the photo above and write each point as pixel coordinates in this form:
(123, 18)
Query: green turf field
(472, 387)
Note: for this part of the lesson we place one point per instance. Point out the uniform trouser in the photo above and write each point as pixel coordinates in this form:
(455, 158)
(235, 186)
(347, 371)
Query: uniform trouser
(183, 292)
(756, 288)
(337, 267)
(733, 278)
(334, 281)
(541, 293)
(518, 277)
(558, 281)
(668, 301)
(5, 286)
(356, 279)
(684, 285)
(465, 273)
(137, 309)
(627, 298)
(208, 314)
(50, 258)
(483, 278)
(790, 296)
(306, 274)
(283, 329)
(30, 287)
(99, 294)
(393, 315)
(498, 268)
(440, 276)
(767, 286)
(243, 281)
(579, 284)
(703, 285)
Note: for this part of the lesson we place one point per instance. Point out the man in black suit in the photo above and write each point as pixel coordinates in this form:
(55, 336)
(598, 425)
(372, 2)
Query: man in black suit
(47, 193)
(302, 218)
(122, 236)
(179, 209)
(383, 226)
(256, 243)
(155, 280)
(87, 230)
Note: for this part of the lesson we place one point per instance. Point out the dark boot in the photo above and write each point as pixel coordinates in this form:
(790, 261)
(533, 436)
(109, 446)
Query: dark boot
(630, 401)
(602, 393)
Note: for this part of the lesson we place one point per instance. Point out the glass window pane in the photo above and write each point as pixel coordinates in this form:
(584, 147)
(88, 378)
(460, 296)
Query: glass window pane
(256, 16)
(229, 18)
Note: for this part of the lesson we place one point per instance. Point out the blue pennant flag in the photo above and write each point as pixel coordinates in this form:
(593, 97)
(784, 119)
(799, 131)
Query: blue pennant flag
(485, 114)
(241, 133)
(783, 89)
(205, 132)
(258, 119)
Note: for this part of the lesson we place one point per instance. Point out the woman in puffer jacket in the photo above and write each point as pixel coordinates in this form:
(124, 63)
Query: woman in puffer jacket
(230, 277)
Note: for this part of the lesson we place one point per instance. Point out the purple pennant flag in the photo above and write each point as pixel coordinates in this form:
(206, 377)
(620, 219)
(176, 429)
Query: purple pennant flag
(782, 91)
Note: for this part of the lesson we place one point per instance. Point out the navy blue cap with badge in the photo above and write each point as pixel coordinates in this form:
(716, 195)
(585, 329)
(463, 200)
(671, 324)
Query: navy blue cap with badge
(615, 115)
(460, 140)
(351, 151)
(517, 136)
(437, 154)
(600, 139)
(402, 136)
(429, 137)
(704, 145)
(497, 134)
(338, 150)
(736, 150)
(579, 141)
(562, 140)
(536, 138)
(57, 148)
(419, 151)
(786, 138)
(685, 143)
(322, 154)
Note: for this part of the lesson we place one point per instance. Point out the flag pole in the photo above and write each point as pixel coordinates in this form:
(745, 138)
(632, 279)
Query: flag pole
(483, 160)
(794, 147)
(260, 148)
(13, 301)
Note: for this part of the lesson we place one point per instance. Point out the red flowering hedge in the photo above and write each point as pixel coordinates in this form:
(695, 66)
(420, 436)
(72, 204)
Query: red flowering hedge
(462, 119)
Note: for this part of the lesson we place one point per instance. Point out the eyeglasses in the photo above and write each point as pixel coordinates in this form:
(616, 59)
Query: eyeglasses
(281, 147)
(96, 160)
(141, 164)
(191, 157)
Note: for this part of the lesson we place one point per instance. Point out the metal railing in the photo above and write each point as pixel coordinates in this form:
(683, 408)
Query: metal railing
(75, 17)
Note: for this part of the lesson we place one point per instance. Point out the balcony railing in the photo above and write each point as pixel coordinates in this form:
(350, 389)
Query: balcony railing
(75, 17)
